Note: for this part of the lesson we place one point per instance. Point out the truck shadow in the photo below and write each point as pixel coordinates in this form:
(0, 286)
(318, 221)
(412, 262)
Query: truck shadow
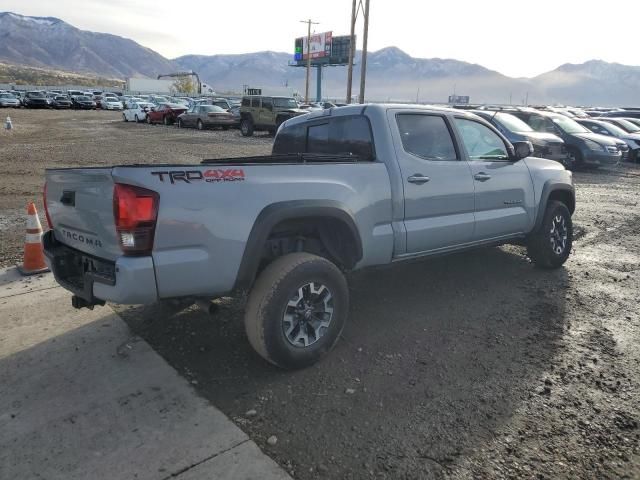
(435, 357)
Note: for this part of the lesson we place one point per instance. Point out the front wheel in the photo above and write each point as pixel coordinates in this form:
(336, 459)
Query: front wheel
(297, 310)
(135, 117)
(200, 125)
(166, 121)
(549, 247)
(246, 127)
(180, 125)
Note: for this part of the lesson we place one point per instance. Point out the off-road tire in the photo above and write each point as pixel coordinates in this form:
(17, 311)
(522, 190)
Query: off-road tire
(270, 296)
(246, 127)
(539, 246)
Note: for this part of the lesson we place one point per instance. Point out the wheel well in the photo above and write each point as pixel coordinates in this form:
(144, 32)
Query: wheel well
(327, 237)
(565, 197)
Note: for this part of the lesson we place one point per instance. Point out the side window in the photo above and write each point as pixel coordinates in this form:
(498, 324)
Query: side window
(537, 123)
(426, 136)
(267, 103)
(351, 136)
(246, 102)
(480, 141)
(291, 140)
(255, 102)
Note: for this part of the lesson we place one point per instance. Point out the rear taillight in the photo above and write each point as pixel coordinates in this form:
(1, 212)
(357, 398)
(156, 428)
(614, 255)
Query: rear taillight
(135, 210)
(46, 209)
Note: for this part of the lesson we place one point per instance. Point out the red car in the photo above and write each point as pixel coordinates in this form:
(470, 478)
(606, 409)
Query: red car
(166, 113)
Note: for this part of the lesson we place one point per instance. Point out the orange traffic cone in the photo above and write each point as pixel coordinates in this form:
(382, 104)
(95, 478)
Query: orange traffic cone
(33, 255)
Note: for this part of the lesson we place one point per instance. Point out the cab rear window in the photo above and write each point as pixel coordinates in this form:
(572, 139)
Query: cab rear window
(348, 136)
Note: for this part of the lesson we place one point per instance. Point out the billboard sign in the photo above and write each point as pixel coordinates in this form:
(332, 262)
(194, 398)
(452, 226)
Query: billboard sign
(459, 99)
(320, 46)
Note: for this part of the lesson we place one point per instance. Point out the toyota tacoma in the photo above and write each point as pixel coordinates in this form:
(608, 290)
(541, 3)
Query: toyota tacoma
(344, 189)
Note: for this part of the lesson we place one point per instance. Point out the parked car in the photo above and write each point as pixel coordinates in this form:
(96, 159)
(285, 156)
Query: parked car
(604, 127)
(266, 113)
(111, 103)
(584, 147)
(623, 113)
(35, 100)
(74, 93)
(9, 100)
(206, 116)
(324, 203)
(635, 121)
(136, 111)
(545, 145)
(166, 113)
(624, 123)
(83, 102)
(158, 99)
(61, 102)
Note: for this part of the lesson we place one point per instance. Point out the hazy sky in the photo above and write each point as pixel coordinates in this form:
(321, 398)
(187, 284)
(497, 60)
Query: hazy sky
(517, 38)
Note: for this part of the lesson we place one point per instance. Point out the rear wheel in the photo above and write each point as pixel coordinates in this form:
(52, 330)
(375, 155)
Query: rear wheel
(180, 123)
(148, 119)
(166, 121)
(297, 310)
(246, 127)
(200, 125)
(136, 118)
(550, 246)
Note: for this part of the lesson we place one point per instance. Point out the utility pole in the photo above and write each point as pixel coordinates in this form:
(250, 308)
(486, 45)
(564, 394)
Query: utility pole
(365, 37)
(309, 23)
(352, 51)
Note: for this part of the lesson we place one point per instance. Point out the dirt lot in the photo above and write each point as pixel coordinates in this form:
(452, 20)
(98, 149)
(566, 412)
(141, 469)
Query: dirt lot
(472, 366)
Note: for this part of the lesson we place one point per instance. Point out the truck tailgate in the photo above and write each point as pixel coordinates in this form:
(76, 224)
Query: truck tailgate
(80, 205)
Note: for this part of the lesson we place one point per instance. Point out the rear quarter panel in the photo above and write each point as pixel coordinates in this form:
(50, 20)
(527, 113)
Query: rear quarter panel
(203, 226)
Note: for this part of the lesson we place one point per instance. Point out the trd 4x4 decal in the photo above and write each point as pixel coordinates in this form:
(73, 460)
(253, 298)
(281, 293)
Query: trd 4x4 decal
(209, 176)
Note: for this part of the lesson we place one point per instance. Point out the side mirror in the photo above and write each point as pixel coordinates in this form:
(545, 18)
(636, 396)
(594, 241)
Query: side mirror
(522, 150)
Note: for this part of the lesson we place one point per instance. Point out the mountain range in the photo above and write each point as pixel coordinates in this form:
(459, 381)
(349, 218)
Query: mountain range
(392, 75)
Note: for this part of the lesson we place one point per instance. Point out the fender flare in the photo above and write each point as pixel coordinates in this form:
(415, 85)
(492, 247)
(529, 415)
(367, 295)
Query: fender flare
(548, 188)
(275, 213)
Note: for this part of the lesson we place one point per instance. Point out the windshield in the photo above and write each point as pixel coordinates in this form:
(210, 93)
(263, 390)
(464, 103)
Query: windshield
(627, 125)
(285, 103)
(211, 108)
(222, 105)
(614, 130)
(511, 123)
(60, 98)
(83, 98)
(36, 95)
(568, 126)
(6, 95)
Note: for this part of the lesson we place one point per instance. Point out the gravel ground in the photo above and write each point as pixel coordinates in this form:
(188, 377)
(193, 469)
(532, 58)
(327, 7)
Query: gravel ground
(476, 365)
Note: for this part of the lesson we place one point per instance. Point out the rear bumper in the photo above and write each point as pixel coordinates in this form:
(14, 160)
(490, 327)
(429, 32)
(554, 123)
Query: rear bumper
(128, 280)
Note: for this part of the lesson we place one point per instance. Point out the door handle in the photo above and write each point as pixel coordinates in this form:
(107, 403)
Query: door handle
(418, 179)
(482, 177)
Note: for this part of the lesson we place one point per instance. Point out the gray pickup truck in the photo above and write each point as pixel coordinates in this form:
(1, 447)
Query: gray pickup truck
(344, 189)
